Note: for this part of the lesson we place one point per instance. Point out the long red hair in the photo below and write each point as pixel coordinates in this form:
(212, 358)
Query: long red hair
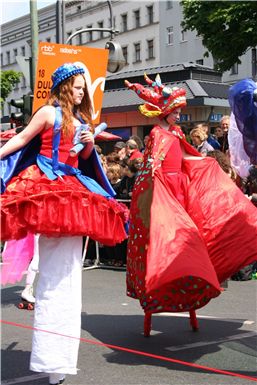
(63, 96)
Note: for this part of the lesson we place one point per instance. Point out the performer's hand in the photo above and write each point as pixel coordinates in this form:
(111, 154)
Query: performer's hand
(87, 137)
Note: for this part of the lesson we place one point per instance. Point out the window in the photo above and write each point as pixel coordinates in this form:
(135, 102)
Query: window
(90, 33)
(8, 57)
(125, 53)
(150, 14)
(2, 61)
(150, 49)
(15, 53)
(169, 4)
(23, 52)
(183, 35)
(79, 37)
(23, 82)
(170, 35)
(215, 62)
(101, 25)
(68, 34)
(137, 52)
(124, 22)
(234, 69)
(137, 18)
(199, 61)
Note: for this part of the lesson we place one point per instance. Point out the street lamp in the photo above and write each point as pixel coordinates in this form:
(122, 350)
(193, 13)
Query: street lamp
(116, 59)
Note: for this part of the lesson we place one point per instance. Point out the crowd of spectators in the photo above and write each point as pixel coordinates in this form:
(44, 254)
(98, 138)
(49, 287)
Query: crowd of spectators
(216, 145)
(121, 167)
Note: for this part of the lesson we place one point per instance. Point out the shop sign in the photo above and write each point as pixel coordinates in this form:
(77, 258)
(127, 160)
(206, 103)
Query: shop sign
(215, 117)
(185, 117)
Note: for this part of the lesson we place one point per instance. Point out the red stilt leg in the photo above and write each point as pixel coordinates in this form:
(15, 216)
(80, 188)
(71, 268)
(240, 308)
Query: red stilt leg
(147, 324)
(193, 320)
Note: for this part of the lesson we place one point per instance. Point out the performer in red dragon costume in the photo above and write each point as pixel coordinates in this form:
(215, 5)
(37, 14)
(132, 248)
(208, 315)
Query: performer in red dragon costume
(190, 226)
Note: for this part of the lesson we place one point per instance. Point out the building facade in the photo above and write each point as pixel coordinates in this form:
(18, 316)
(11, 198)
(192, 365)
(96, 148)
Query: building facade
(178, 46)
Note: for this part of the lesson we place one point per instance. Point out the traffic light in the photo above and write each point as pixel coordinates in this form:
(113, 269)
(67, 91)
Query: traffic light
(25, 105)
(17, 117)
(116, 59)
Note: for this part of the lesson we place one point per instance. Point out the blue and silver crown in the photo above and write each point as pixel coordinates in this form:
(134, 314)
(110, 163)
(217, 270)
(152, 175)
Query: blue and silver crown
(64, 72)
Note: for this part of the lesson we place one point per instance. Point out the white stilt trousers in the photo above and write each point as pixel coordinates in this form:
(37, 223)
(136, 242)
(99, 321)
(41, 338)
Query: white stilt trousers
(58, 306)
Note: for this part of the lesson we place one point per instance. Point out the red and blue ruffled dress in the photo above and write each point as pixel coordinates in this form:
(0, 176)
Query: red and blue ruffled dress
(55, 198)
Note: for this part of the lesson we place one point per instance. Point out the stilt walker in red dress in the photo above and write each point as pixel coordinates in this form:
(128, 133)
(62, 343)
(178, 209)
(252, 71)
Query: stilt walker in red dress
(190, 226)
(62, 198)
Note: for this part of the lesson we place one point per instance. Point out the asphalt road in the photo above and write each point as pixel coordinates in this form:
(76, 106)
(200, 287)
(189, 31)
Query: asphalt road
(112, 323)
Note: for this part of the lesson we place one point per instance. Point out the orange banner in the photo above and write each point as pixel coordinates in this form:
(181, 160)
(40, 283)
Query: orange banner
(93, 60)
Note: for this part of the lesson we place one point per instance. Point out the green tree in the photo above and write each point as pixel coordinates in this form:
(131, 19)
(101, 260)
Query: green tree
(8, 80)
(228, 28)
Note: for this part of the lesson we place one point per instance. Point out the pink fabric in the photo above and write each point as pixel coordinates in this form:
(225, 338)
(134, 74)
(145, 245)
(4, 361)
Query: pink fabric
(16, 259)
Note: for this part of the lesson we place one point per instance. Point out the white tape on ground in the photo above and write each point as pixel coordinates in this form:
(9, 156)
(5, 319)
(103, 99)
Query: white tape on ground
(218, 341)
(199, 316)
(26, 379)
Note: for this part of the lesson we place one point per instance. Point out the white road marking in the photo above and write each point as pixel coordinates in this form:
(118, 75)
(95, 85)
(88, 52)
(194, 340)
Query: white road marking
(25, 379)
(248, 322)
(218, 341)
(199, 316)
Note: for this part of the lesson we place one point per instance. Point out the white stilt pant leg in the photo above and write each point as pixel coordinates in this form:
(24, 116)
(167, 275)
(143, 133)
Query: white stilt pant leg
(58, 306)
(33, 266)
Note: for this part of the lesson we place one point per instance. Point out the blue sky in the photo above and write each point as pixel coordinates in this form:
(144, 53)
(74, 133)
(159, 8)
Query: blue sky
(11, 9)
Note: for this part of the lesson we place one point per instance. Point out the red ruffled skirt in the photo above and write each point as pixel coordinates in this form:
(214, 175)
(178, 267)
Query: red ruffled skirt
(63, 207)
(168, 267)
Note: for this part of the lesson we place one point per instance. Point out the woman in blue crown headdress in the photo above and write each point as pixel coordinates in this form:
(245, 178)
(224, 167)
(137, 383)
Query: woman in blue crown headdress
(62, 198)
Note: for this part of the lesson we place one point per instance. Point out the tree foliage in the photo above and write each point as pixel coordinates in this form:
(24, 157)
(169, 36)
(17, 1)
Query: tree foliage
(8, 80)
(228, 28)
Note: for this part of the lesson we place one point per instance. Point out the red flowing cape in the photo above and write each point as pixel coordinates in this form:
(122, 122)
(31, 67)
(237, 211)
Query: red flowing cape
(177, 257)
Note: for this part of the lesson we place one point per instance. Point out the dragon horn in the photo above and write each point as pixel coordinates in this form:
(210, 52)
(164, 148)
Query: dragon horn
(127, 83)
(148, 80)
(158, 81)
(156, 84)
